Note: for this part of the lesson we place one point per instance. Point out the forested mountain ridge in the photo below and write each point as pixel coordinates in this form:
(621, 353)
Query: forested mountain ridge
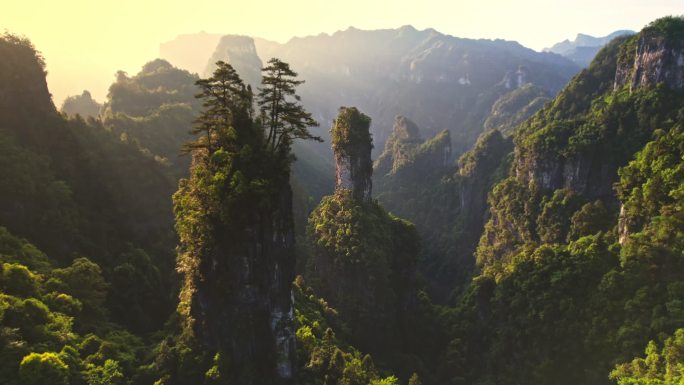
(96, 206)
(72, 187)
(416, 179)
(558, 290)
(440, 81)
(549, 252)
(584, 48)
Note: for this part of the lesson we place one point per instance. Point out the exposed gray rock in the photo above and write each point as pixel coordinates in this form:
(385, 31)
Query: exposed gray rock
(656, 59)
(240, 52)
(353, 165)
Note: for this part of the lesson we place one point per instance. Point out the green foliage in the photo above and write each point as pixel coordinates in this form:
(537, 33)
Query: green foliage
(281, 111)
(18, 280)
(84, 281)
(668, 27)
(156, 84)
(363, 261)
(577, 142)
(557, 291)
(17, 250)
(448, 206)
(107, 374)
(136, 289)
(515, 107)
(236, 204)
(653, 183)
(664, 366)
(43, 368)
(590, 219)
(514, 207)
(350, 134)
(554, 219)
(325, 358)
(391, 380)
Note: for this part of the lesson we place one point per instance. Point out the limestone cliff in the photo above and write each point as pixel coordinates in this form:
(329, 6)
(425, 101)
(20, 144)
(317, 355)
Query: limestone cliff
(241, 303)
(569, 153)
(478, 170)
(399, 146)
(240, 52)
(654, 56)
(406, 152)
(352, 145)
(363, 259)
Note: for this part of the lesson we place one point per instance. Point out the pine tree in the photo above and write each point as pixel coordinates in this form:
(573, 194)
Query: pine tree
(227, 106)
(281, 113)
(234, 221)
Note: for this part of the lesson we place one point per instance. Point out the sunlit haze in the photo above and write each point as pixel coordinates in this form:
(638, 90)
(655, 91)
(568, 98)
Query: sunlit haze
(85, 42)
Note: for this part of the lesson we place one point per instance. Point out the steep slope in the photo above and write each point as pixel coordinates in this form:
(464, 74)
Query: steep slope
(558, 290)
(362, 259)
(515, 107)
(74, 189)
(154, 110)
(417, 179)
(441, 81)
(593, 127)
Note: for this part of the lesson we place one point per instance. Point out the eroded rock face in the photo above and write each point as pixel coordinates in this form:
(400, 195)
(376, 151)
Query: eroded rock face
(584, 174)
(240, 52)
(243, 306)
(399, 146)
(657, 59)
(352, 146)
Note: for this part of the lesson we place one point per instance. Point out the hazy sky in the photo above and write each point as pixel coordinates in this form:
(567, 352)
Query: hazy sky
(86, 41)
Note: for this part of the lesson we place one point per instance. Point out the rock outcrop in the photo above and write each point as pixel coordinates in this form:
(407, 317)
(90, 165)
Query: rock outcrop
(405, 151)
(242, 306)
(587, 174)
(655, 58)
(478, 169)
(515, 107)
(352, 145)
(440, 81)
(403, 140)
(240, 52)
(363, 259)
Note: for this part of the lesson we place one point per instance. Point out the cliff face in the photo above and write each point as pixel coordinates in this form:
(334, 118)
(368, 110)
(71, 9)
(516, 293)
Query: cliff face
(570, 143)
(515, 107)
(656, 59)
(242, 306)
(405, 151)
(440, 81)
(352, 146)
(587, 174)
(363, 259)
(240, 52)
(569, 153)
(478, 169)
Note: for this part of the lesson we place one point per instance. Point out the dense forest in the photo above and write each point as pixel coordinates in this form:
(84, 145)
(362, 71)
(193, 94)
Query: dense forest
(183, 231)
